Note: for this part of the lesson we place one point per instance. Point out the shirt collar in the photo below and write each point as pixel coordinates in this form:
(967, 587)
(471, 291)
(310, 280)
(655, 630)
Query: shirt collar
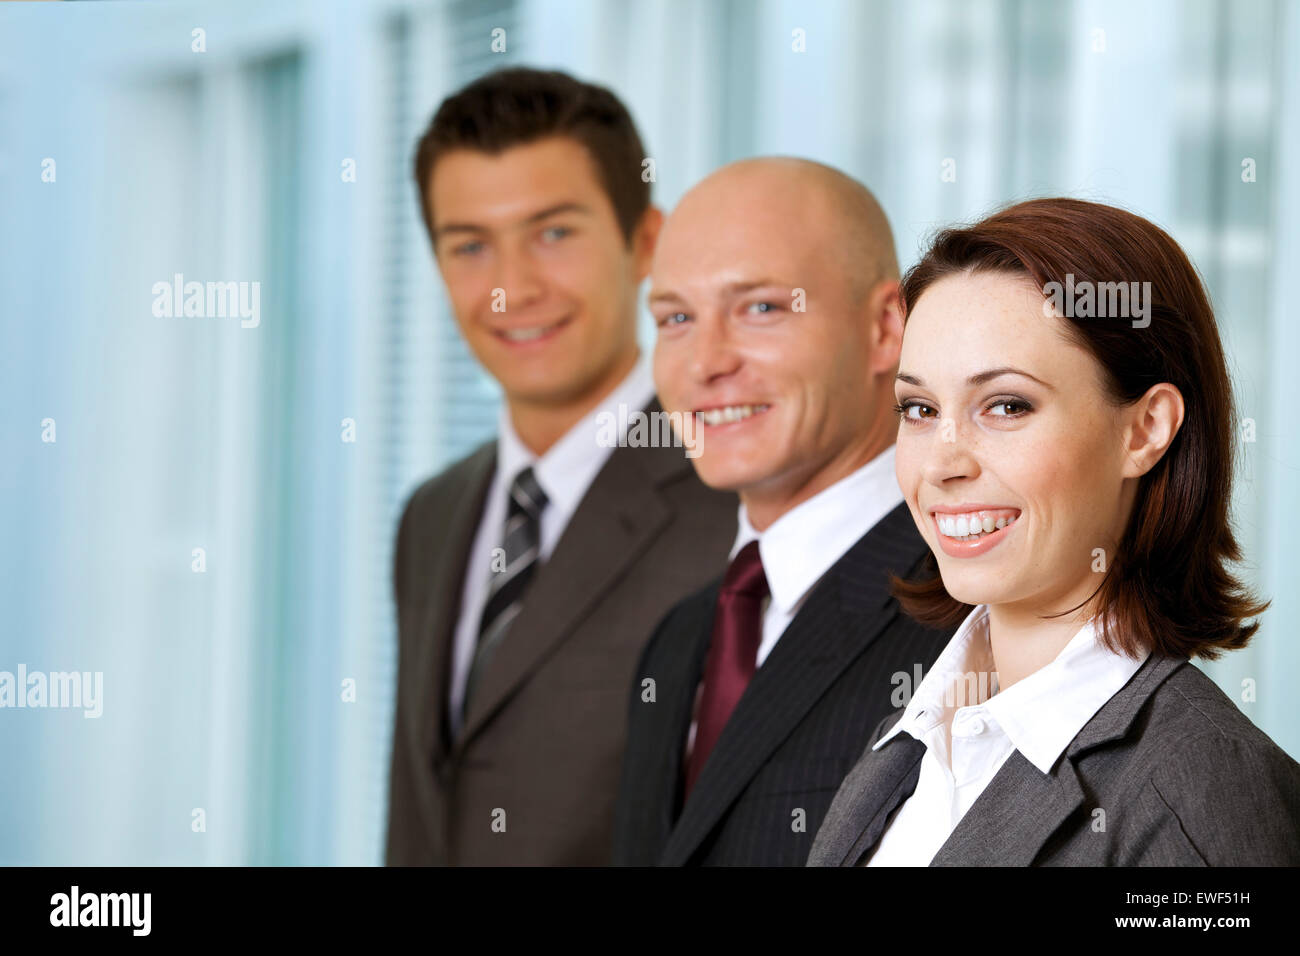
(1041, 713)
(1046, 710)
(967, 651)
(802, 545)
(569, 466)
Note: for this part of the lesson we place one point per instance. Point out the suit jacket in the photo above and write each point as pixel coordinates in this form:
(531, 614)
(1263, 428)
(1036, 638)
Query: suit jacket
(543, 738)
(1168, 773)
(796, 731)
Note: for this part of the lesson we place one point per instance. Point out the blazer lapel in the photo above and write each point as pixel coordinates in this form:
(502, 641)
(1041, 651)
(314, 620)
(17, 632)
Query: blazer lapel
(681, 670)
(443, 606)
(846, 613)
(620, 515)
(1022, 807)
(1012, 819)
(880, 782)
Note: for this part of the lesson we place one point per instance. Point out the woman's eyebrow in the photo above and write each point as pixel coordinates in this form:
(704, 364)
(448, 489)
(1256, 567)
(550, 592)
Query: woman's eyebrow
(979, 378)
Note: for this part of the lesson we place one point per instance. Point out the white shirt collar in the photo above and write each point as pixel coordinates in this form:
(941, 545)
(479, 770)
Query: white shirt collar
(1040, 713)
(802, 545)
(569, 466)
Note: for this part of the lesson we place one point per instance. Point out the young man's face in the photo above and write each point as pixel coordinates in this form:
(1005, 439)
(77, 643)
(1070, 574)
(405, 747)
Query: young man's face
(542, 281)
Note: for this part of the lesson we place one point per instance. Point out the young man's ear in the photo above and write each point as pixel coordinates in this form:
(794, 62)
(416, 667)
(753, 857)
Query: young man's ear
(644, 239)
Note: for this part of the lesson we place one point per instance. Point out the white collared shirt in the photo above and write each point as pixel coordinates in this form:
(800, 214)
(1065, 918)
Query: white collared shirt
(565, 473)
(799, 547)
(804, 543)
(969, 728)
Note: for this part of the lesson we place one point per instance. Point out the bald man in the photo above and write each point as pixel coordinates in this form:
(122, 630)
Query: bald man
(775, 293)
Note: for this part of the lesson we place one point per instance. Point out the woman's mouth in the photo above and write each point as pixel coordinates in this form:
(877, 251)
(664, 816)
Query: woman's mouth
(966, 534)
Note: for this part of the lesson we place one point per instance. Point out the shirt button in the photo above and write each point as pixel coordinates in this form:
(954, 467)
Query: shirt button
(976, 726)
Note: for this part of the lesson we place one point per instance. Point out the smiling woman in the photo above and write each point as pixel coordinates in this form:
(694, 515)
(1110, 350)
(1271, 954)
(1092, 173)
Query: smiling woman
(1121, 438)
(1071, 474)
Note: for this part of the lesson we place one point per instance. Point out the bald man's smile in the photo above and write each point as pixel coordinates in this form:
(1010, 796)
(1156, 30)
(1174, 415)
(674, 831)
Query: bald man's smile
(728, 414)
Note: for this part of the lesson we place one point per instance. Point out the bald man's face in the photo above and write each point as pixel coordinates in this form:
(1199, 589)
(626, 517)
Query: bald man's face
(762, 335)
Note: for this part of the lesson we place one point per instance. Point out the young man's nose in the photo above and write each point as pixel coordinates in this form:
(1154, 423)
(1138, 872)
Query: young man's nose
(517, 274)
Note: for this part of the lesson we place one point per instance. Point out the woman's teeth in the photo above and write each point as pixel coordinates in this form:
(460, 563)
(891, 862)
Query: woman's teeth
(969, 526)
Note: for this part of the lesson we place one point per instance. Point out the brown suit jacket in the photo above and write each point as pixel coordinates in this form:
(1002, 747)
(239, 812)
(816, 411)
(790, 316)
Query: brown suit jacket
(532, 777)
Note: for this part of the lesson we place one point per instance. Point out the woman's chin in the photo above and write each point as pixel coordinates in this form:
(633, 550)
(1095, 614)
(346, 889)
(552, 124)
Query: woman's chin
(975, 593)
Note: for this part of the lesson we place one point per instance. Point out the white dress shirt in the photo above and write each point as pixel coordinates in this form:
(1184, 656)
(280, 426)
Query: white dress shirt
(565, 473)
(970, 728)
(799, 547)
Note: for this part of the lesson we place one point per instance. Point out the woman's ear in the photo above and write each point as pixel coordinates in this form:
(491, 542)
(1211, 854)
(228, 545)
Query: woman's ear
(1152, 423)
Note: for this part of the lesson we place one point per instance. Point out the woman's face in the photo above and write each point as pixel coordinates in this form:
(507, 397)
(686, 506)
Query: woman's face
(1005, 426)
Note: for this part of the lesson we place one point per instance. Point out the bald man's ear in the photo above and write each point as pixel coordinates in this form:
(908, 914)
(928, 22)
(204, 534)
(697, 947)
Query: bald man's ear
(884, 310)
(644, 239)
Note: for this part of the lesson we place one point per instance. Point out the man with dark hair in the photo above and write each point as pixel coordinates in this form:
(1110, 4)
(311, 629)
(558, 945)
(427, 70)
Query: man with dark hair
(529, 575)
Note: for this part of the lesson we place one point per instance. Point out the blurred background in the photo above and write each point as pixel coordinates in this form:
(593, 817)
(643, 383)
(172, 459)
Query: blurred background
(201, 529)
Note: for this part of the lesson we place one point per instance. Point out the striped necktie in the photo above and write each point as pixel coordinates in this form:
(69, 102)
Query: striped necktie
(520, 544)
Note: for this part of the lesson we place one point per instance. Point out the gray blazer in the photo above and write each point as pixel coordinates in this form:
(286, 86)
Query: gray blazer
(1168, 773)
(543, 739)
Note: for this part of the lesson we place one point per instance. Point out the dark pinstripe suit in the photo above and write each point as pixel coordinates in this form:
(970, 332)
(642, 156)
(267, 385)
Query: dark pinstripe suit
(798, 729)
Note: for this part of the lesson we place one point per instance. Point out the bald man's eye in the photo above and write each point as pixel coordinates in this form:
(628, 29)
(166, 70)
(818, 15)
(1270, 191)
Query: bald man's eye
(672, 319)
(759, 308)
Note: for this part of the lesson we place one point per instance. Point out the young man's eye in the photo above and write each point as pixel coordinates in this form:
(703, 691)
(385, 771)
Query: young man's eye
(473, 247)
(554, 233)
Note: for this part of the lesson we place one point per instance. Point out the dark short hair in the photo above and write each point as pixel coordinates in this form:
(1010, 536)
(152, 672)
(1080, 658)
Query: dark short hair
(1169, 589)
(518, 106)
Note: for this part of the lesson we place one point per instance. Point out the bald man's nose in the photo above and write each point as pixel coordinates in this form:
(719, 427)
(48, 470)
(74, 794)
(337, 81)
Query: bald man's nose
(713, 353)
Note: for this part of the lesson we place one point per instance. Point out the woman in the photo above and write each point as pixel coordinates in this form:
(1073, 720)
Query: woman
(1065, 447)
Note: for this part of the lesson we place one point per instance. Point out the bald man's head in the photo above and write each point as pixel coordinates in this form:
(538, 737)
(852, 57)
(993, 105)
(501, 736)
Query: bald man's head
(854, 226)
(775, 292)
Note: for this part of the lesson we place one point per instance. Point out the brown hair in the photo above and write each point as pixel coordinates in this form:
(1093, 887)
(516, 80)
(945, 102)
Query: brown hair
(1169, 588)
(517, 106)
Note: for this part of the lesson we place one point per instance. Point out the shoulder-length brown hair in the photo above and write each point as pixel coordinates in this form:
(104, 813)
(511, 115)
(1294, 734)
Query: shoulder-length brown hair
(1169, 589)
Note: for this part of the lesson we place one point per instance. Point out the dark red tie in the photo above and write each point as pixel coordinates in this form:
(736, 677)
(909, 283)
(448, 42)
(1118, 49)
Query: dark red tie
(733, 652)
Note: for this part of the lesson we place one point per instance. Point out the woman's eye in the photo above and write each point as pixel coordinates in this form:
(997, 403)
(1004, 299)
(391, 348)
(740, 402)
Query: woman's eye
(905, 410)
(1018, 408)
